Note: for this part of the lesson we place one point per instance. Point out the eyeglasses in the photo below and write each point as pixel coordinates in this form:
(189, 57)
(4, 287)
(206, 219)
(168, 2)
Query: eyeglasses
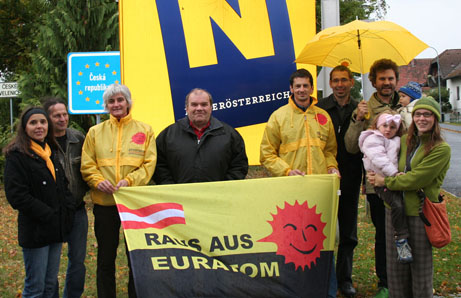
(425, 114)
(343, 80)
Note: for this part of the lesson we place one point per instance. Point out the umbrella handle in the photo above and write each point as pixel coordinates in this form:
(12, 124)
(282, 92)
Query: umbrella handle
(367, 116)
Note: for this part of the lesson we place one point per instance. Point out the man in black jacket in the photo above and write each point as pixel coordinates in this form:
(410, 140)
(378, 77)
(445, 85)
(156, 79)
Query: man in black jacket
(70, 143)
(340, 106)
(199, 147)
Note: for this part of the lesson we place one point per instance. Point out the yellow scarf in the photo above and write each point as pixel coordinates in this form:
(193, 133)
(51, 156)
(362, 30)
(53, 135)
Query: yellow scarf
(45, 155)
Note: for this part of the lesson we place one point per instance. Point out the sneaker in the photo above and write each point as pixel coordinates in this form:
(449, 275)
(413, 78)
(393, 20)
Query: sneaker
(403, 251)
(382, 293)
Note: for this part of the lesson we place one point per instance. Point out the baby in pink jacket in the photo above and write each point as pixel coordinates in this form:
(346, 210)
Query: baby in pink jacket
(380, 146)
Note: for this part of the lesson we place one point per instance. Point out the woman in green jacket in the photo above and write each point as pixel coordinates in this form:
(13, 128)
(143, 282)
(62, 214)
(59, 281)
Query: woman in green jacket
(429, 159)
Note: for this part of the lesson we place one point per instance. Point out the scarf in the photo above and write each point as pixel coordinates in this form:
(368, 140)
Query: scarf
(45, 155)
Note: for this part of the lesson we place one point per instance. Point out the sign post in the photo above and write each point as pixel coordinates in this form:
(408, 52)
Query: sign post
(10, 90)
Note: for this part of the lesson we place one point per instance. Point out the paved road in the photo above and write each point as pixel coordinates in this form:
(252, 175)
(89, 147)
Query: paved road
(452, 182)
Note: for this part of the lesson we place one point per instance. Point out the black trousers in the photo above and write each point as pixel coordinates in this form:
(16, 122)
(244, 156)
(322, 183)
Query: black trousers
(107, 231)
(378, 218)
(347, 219)
(399, 218)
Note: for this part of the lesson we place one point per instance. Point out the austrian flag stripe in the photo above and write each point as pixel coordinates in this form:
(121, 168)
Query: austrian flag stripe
(157, 216)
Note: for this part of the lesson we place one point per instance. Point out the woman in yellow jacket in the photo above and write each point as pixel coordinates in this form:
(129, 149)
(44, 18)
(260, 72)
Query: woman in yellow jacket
(118, 152)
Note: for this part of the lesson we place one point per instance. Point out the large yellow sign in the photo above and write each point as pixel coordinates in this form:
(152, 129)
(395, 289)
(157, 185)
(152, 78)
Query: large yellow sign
(242, 52)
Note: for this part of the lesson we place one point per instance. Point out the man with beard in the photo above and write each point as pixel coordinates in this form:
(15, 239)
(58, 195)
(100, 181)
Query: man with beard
(384, 75)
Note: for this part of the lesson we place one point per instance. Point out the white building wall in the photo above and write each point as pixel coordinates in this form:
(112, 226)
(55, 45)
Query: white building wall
(453, 86)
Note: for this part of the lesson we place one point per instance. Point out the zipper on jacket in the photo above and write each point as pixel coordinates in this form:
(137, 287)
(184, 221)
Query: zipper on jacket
(308, 151)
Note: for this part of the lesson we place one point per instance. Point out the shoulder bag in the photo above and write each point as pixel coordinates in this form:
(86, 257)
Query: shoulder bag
(435, 218)
(433, 215)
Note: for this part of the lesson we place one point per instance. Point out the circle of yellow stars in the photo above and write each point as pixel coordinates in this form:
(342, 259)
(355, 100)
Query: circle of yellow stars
(87, 66)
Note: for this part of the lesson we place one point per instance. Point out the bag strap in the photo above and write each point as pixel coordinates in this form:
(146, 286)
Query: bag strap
(422, 198)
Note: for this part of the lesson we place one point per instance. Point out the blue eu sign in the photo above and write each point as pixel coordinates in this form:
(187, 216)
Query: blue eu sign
(89, 74)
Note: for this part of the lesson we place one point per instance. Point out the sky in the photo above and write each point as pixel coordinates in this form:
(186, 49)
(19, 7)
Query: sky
(435, 22)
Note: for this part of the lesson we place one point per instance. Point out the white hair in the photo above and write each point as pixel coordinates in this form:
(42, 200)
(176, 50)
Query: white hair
(116, 89)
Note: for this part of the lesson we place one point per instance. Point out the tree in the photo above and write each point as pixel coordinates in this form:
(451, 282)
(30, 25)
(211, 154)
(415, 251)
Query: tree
(71, 26)
(356, 89)
(349, 10)
(445, 98)
(17, 20)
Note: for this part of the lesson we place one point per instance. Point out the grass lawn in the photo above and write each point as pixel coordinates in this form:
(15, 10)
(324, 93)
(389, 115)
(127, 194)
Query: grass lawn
(447, 261)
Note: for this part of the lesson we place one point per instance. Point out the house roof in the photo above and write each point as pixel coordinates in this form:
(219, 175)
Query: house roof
(448, 60)
(455, 73)
(415, 71)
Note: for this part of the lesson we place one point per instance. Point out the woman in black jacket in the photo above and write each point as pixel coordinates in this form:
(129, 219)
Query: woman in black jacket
(36, 186)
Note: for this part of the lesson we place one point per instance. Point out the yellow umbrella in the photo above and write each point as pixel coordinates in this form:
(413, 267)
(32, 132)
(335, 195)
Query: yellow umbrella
(358, 44)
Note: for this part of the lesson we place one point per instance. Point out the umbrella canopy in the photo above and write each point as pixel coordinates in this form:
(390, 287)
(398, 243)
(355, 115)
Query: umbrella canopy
(358, 44)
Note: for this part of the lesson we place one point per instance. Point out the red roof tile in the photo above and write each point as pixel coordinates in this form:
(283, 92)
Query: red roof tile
(415, 71)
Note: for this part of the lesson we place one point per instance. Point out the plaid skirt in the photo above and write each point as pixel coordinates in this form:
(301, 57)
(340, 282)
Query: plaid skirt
(415, 279)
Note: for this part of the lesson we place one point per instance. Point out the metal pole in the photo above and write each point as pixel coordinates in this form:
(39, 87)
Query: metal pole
(438, 78)
(11, 114)
(438, 82)
(329, 18)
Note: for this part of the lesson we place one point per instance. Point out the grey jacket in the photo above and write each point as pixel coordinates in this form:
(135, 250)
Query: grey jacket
(70, 161)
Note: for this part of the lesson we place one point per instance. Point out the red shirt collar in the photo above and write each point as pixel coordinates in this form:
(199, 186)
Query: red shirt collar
(199, 132)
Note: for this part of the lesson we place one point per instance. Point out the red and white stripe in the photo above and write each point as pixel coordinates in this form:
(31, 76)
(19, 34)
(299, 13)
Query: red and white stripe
(156, 216)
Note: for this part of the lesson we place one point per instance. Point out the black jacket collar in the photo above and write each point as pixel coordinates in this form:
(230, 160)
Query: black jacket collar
(184, 123)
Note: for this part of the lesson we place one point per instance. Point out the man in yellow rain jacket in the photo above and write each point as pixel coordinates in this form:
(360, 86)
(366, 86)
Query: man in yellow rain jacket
(299, 138)
(119, 152)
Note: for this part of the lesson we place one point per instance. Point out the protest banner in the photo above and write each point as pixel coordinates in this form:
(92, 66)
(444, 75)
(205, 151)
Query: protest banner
(270, 237)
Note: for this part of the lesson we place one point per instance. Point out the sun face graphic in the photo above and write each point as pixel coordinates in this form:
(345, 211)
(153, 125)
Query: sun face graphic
(298, 232)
